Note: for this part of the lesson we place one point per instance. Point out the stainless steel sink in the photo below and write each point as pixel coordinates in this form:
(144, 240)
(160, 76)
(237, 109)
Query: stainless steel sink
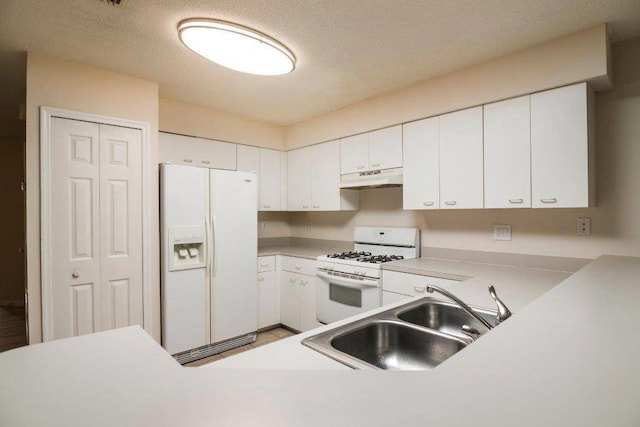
(397, 346)
(444, 317)
(418, 335)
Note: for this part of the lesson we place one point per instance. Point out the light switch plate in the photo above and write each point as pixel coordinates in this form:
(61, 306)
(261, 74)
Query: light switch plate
(501, 232)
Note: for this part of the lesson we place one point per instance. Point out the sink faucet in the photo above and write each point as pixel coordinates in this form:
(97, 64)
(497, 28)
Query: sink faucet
(462, 305)
(503, 312)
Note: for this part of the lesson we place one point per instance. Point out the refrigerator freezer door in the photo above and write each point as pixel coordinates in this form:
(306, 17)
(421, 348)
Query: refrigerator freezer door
(183, 207)
(234, 254)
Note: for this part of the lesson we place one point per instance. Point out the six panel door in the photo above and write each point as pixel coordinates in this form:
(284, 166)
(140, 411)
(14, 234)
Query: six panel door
(96, 231)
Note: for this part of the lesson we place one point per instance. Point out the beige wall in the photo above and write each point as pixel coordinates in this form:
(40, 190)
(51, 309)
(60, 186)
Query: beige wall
(186, 119)
(56, 83)
(577, 57)
(615, 229)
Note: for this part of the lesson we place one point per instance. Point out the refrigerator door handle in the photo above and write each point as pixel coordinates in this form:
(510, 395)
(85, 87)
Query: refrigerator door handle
(214, 264)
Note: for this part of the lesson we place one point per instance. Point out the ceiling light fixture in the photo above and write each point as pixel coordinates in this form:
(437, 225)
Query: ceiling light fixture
(236, 47)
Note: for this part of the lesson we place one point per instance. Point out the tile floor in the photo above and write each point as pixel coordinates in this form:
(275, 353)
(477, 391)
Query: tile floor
(13, 329)
(263, 338)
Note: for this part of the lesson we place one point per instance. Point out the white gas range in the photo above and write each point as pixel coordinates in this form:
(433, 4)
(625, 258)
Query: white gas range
(350, 282)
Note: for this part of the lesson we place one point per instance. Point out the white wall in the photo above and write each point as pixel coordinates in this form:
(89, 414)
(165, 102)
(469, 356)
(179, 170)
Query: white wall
(615, 229)
(574, 58)
(56, 83)
(187, 119)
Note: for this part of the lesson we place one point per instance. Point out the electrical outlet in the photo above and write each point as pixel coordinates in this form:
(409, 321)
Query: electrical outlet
(584, 227)
(501, 232)
(309, 225)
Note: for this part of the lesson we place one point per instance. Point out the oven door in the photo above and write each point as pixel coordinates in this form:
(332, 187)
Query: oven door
(341, 297)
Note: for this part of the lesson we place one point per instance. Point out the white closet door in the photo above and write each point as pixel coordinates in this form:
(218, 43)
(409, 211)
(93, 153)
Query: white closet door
(96, 227)
(75, 228)
(121, 226)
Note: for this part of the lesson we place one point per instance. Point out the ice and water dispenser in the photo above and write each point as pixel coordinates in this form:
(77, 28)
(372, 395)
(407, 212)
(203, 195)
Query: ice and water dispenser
(186, 248)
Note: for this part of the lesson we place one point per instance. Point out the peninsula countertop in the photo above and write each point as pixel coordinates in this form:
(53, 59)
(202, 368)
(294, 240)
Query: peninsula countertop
(567, 358)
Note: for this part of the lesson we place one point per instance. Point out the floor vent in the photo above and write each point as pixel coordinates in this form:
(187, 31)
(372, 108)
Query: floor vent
(213, 349)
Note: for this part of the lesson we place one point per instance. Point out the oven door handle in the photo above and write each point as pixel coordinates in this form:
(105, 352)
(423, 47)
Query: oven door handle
(347, 281)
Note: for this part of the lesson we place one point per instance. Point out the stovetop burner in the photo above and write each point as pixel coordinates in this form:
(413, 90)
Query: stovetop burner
(350, 255)
(379, 259)
(365, 257)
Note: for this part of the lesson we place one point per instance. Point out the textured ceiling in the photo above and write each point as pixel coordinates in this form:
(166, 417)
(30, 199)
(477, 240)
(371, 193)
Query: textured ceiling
(347, 50)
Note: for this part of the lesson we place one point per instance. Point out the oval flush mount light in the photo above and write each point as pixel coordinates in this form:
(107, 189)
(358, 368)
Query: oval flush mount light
(236, 47)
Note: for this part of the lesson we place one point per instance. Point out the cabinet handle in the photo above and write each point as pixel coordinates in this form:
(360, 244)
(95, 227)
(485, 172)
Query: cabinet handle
(360, 167)
(551, 200)
(264, 265)
(420, 289)
(305, 206)
(316, 206)
(292, 279)
(260, 279)
(187, 160)
(205, 162)
(375, 165)
(266, 206)
(304, 282)
(427, 203)
(516, 200)
(298, 266)
(450, 203)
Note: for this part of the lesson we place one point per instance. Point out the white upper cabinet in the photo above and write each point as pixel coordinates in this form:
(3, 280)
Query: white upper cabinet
(249, 161)
(385, 148)
(507, 158)
(325, 176)
(299, 179)
(272, 180)
(354, 154)
(380, 149)
(421, 170)
(313, 180)
(461, 160)
(188, 150)
(560, 148)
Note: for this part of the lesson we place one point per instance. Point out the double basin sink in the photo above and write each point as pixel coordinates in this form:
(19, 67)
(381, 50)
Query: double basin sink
(415, 336)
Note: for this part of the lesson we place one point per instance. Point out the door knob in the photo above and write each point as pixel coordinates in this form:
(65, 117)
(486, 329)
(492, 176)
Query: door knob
(75, 274)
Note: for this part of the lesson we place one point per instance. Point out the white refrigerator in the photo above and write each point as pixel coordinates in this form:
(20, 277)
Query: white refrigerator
(209, 260)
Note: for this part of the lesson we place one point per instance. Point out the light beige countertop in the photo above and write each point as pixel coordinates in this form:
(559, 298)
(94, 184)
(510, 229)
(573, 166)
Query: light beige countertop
(309, 252)
(570, 357)
(516, 286)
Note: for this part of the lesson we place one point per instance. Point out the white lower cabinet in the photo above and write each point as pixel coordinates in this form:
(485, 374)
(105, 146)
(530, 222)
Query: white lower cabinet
(298, 294)
(268, 299)
(397, 286)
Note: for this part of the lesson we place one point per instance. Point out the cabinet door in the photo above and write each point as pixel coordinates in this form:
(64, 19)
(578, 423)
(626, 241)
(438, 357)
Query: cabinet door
(308, 317)
(421, 187)
(461, 163)
(559, 148)
(290, 300)
(299, 179)
(249, 161)
(216, 154)
(268, 304)
(269, 180)
(354, 154)
(507, 154)
(325, 176)
(385, 148)
(177, 149)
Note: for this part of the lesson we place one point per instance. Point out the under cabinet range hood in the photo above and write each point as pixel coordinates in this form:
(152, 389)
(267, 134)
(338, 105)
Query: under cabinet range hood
(372, 179)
